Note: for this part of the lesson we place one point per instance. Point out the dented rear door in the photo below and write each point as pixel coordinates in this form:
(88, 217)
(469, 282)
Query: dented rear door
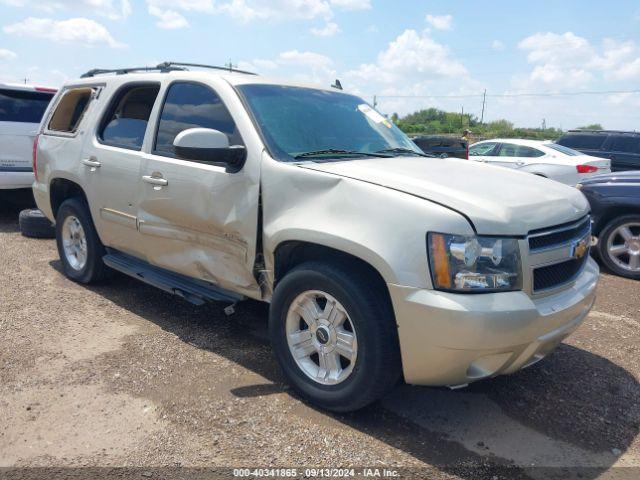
(195, 218)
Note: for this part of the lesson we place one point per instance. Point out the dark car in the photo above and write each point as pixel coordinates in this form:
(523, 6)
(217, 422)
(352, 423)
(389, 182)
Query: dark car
(622, 148)
(443, 146)
(615, 206)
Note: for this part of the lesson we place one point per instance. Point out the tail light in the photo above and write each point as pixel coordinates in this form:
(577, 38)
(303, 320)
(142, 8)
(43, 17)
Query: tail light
(586, 168)
(34, 156)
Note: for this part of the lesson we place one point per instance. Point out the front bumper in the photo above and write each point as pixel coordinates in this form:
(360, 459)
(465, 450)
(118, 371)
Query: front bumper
(454, 339)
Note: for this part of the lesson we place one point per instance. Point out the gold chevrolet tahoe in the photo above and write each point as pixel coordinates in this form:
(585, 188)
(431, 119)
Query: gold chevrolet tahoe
(380, 263)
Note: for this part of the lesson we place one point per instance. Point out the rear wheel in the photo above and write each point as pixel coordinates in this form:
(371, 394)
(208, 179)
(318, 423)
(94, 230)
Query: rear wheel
(335, 336)
(619, 246)
(79, 247)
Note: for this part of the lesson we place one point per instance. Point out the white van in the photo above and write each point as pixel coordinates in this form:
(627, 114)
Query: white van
(21, 109)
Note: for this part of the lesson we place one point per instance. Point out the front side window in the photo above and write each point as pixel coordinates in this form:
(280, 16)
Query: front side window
(482, 150)
(126, 120)
(298, 122)
(192, 105)
(23, 106)
(70, 110)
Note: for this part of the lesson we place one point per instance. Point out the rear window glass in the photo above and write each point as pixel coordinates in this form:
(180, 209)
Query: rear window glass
(126, 120)
(70, 110)
(578, 141)
(562, 149)
(23, 106)
(626, 144)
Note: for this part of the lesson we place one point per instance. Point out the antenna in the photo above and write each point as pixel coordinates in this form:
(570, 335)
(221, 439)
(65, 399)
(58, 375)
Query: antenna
(337, 85)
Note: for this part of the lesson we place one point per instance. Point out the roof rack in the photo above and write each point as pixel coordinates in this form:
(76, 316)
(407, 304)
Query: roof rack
(590, 130)
(163, 67)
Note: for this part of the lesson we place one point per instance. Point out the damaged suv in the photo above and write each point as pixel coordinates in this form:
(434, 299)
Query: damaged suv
(379, 263)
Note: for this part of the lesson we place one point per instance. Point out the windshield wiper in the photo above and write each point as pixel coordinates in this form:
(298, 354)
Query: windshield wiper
(401, 150)
(337, 151)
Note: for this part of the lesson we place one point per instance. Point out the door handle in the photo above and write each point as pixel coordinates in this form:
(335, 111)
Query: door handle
(91, 162)
(155, 180)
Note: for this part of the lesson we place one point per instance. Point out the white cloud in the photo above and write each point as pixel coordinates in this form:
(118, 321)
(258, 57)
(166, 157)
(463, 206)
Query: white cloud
(440, 22)
(74, 30)
(112, 9)
(303, 66)
(352, 4)
(565, 61)
(328, 30)
(497, 45)
(7, 54)
(246, 11)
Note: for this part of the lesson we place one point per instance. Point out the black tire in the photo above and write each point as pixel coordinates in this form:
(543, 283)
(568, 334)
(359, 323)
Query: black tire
(377, 367)
(94, 269)
(34, 224)
(603, 240)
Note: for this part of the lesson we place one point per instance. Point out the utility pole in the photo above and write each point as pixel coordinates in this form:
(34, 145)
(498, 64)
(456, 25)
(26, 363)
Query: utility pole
(375, 101)
(484, 97)
(462, 117)
(544, 123)
(25, 80)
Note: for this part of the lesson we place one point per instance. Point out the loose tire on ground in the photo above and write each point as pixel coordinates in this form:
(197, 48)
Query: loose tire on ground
(611, 236)
(80, 249)
(377, 366)
(34, 224)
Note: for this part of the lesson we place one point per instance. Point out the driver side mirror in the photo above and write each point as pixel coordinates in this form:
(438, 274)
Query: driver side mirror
(206, 145)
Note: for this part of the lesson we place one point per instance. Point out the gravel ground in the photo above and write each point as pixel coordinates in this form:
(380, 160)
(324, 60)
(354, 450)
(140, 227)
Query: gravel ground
(124, 375)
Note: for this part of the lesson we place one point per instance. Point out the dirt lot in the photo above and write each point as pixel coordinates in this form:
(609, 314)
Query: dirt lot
(125, 375)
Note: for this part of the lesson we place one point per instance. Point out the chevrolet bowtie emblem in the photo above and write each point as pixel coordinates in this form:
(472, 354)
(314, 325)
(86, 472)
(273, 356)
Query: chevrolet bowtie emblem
(580, 248)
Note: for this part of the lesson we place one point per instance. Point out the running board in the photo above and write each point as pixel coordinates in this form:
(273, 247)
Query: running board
(192, 290)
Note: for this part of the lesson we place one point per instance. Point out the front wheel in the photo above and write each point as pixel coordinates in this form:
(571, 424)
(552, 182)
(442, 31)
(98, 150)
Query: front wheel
(619, 246)
(334, 335)
(80, 249)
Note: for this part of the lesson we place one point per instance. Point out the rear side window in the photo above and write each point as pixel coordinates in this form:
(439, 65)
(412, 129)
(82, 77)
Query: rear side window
(192, 105)
(626, 144)
(23, 106)
(70, 110)
(583, 141)
(125, 122)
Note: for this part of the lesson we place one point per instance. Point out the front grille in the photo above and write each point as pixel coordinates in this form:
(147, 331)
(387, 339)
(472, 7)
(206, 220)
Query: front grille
(557, 274)
(558, 236)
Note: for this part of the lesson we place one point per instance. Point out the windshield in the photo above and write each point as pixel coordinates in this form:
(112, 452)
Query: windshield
(563, 149)
(307, 123)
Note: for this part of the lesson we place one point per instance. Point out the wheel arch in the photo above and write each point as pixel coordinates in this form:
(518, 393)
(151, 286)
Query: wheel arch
(61, 189)
(611, 213)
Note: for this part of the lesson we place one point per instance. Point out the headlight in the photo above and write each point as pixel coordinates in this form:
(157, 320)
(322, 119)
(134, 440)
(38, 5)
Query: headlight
(474, 263)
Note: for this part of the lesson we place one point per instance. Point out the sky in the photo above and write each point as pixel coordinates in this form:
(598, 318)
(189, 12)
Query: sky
(410, 54)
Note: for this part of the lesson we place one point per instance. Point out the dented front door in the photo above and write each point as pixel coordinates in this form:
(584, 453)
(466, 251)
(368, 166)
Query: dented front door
(195, 218)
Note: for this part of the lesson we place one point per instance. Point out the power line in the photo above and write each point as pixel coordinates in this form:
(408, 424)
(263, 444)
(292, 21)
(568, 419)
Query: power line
(524, 94)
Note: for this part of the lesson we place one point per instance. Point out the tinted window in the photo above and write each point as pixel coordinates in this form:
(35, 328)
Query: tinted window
(511, 150)
(626, 143)
(70, 109)
(126, 120)
(190, 105)
(482, 149)
(23, 106)
(584, 141)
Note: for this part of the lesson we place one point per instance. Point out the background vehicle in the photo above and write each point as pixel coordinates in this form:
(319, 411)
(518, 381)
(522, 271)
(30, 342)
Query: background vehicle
(615, 206)
(21, 109)
(378, 263)
(622, 148)
(442, 146)
(542, 158)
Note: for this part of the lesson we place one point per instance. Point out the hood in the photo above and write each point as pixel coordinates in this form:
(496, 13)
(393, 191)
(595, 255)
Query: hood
(616, 178)
(497, 201)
